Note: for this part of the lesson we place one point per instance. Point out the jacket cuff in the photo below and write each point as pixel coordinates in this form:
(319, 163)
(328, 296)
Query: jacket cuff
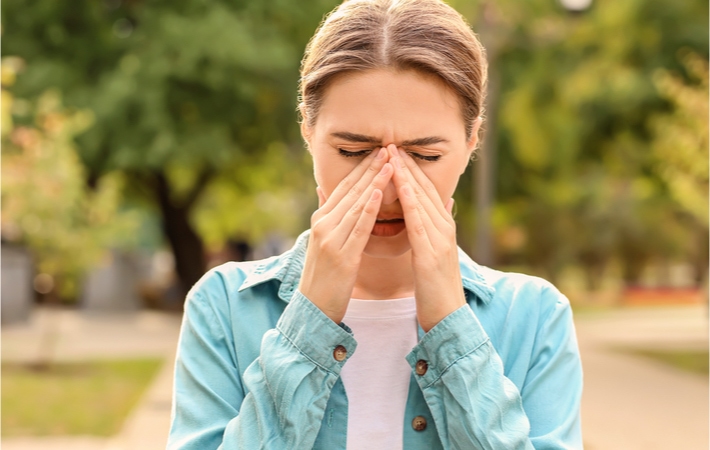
(457, 335)
(315, 335)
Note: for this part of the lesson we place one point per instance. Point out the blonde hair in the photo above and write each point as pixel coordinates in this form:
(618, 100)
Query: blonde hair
(423, 35)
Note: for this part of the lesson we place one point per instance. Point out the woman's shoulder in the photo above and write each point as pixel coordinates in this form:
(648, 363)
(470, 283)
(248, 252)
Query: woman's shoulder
(527, 295)
(508, 289)
(520, 283)
(226, 281)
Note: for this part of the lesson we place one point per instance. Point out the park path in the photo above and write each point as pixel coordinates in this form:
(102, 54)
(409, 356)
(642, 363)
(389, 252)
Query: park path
(81, 336)
(629, 402)
(634, 403)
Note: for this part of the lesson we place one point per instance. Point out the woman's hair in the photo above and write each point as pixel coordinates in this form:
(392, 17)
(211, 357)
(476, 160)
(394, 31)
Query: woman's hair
(423, 35)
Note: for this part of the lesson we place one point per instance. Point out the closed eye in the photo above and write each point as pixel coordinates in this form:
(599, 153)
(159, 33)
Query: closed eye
(361, 153)
(356, 154)
(430, 158)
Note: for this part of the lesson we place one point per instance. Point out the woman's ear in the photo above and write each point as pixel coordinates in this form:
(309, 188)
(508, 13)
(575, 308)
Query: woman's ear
(473, 140)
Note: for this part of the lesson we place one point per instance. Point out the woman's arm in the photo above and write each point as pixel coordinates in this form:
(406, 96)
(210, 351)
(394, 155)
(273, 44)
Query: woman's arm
(279, 402)
(475, 405)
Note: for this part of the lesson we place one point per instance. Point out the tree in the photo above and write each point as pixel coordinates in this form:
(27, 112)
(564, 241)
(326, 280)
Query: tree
(577, 96)
(680, 151)
(46, 204)
(186, 94)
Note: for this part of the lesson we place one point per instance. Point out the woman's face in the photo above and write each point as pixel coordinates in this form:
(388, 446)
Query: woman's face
(363, 111)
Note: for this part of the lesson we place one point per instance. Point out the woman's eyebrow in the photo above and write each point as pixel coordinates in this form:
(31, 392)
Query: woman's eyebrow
(361, 138)
(354, 137)
(423, 142)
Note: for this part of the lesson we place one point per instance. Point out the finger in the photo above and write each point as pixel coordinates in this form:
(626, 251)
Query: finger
(354, 184)
(433, 216)
(360, 233)
(450, 206)
(321, 196)
(415, 219)
(374, 176)
(344, 219)
(423, 181)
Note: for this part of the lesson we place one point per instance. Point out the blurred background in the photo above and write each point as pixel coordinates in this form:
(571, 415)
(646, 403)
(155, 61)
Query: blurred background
(145, 142)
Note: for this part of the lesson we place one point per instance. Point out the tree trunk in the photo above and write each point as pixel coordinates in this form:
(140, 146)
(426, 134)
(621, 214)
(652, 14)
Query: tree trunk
(186, 244)
(493, 36)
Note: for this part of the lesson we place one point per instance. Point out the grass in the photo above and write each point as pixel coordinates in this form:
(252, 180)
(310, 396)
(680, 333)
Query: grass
(87, 398)
(695, 361)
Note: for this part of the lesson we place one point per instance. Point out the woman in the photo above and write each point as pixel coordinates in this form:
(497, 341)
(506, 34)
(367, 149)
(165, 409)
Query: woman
(375, 331)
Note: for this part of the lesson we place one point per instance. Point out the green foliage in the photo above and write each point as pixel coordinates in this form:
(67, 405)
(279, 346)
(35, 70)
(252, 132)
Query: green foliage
(192, 92)
(187, 83)
(680, 147)
(269, 195)
(45, 201)
(579, 147)
(601, 135)
(86, 398)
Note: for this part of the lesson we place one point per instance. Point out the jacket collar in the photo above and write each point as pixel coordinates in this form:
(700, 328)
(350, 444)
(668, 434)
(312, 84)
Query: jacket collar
(287, 269)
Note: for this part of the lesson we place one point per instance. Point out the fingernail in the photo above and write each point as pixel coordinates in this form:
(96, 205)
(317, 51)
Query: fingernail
(406, 191)
(381, 155)
(385, 169)
(400, 162)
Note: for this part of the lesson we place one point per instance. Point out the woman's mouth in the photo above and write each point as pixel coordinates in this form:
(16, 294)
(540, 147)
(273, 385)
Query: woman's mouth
(388, 227)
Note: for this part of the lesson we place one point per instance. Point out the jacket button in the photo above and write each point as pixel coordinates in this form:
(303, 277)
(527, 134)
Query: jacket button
(340, 353)
(419, 423)
(421, 367)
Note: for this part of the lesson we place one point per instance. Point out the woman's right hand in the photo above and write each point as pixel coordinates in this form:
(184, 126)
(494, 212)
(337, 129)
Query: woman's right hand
(340, 229)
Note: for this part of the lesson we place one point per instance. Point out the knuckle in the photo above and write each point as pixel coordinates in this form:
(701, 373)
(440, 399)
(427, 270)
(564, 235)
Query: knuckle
(344, 189)
(372, 169)
(448, 248)
(450, 235)
(357, 208)
(357, 231)
(345, 183)
(317, 216)
(370, 208)
(420, 230)
(316, 227)
(355, 191)
(326, 246)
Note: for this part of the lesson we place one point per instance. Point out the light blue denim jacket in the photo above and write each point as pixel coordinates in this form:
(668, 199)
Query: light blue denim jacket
(256, 369)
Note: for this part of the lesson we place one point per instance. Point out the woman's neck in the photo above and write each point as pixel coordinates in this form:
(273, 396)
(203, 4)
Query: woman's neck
(384, 278)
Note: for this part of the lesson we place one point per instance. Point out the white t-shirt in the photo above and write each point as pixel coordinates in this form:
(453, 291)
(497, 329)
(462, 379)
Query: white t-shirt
(376, 377)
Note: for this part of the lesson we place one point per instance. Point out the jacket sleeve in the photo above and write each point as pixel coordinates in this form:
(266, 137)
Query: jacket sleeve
(279, 402)
(473, 403)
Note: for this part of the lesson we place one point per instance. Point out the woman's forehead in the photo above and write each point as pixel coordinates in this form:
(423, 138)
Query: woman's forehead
(380, 103)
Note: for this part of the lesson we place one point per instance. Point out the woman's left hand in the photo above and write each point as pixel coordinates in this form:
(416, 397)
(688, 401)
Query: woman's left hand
(432, 234)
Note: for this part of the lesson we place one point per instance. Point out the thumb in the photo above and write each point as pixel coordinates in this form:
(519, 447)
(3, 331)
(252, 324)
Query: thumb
(450, 205)
(321, 197)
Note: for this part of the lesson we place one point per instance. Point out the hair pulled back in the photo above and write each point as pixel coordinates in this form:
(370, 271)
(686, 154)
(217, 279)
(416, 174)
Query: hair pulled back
(427, 36)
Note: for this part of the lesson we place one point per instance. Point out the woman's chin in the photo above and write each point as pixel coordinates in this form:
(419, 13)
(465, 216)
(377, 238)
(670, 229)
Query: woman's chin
(387, 246)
